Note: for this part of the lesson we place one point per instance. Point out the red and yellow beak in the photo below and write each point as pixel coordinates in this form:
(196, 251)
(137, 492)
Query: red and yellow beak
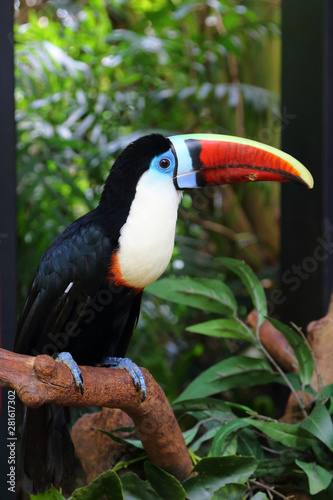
(210, 159)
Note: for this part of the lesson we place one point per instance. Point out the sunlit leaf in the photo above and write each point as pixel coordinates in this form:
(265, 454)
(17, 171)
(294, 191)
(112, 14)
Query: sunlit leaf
(252, 284)
(291, 435)
(224, 328)
(239, 371)
(209, 295)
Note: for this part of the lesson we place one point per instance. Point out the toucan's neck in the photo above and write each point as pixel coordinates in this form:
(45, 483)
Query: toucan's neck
(146, 239)
(120, 186)
(115, 203)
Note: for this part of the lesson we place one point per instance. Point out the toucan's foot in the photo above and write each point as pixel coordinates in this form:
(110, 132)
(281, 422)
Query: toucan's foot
(133, 370)
(67, 359)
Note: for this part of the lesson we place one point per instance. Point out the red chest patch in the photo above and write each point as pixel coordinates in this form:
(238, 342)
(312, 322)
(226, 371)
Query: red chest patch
(114, 274)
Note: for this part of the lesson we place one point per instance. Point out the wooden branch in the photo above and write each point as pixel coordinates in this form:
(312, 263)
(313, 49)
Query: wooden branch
(39, 380)
(320, 334)
(275, 343)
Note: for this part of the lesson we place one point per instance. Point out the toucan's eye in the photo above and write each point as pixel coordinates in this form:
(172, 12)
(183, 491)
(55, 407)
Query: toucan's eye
(164, 163)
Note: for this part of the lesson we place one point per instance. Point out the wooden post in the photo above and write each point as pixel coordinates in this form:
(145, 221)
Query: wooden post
(307, 131)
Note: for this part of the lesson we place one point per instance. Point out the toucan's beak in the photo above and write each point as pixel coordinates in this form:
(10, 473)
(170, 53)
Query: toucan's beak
(204, 159)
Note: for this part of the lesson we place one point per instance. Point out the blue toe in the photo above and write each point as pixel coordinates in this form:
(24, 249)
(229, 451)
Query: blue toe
(67, 359)
(133, 369)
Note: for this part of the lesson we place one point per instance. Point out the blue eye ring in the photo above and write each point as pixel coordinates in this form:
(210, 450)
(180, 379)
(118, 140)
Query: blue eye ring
(164, 163)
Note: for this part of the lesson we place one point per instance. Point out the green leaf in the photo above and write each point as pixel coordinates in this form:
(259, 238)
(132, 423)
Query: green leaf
(321, 453)
(224, 328)
(239, 371)
(107, 484)
(209, 295)
(244, 408)
(205, 404)
(230, 447)
(295, 380)
(209, 434)
(133, 442)
(50, 494)
(274, 467)
(252, 284)
(224, 432)
(166, 485)
(213, 473)
(301, 349)
(260, 496)
(232, 491)
(291, 435)
(249, 445)
(328, 391)
(191, 433)
(319, 424)
(318, 477)
(136, 489)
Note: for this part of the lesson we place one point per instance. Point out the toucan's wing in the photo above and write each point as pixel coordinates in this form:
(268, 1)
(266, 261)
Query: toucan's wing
(70, 273)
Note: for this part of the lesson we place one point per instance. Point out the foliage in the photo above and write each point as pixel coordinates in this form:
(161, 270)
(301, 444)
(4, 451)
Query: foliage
(237, 452)
(92, 76)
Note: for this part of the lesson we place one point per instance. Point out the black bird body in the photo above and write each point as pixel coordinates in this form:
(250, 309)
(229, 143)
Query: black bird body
(85, 295)
(76, 303)
(73, 304)
(73, 300)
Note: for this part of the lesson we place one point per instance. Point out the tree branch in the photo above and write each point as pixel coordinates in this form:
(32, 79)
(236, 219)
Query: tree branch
(274, 342)
(320, 334)
(39, 380)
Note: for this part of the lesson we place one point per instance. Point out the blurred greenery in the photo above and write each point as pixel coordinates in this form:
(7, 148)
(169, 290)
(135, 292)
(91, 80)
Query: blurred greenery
(92, 76)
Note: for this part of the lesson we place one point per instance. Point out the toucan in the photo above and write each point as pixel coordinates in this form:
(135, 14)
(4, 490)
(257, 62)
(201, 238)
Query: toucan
(84, 299)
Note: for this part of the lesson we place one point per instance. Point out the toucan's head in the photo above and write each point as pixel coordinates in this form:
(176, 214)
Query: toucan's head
(141, 195)
(197, 160)
(193, 161)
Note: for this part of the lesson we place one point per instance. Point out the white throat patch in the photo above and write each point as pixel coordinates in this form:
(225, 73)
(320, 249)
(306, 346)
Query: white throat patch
(147, 238)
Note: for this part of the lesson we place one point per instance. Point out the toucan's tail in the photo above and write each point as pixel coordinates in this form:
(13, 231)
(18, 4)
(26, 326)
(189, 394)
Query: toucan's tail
(47, 452)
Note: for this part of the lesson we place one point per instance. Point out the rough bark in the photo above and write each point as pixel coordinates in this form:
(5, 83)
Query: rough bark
(96, 451)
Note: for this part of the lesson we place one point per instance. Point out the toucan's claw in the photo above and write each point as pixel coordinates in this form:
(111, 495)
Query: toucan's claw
(133, 369)
(67, 359)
